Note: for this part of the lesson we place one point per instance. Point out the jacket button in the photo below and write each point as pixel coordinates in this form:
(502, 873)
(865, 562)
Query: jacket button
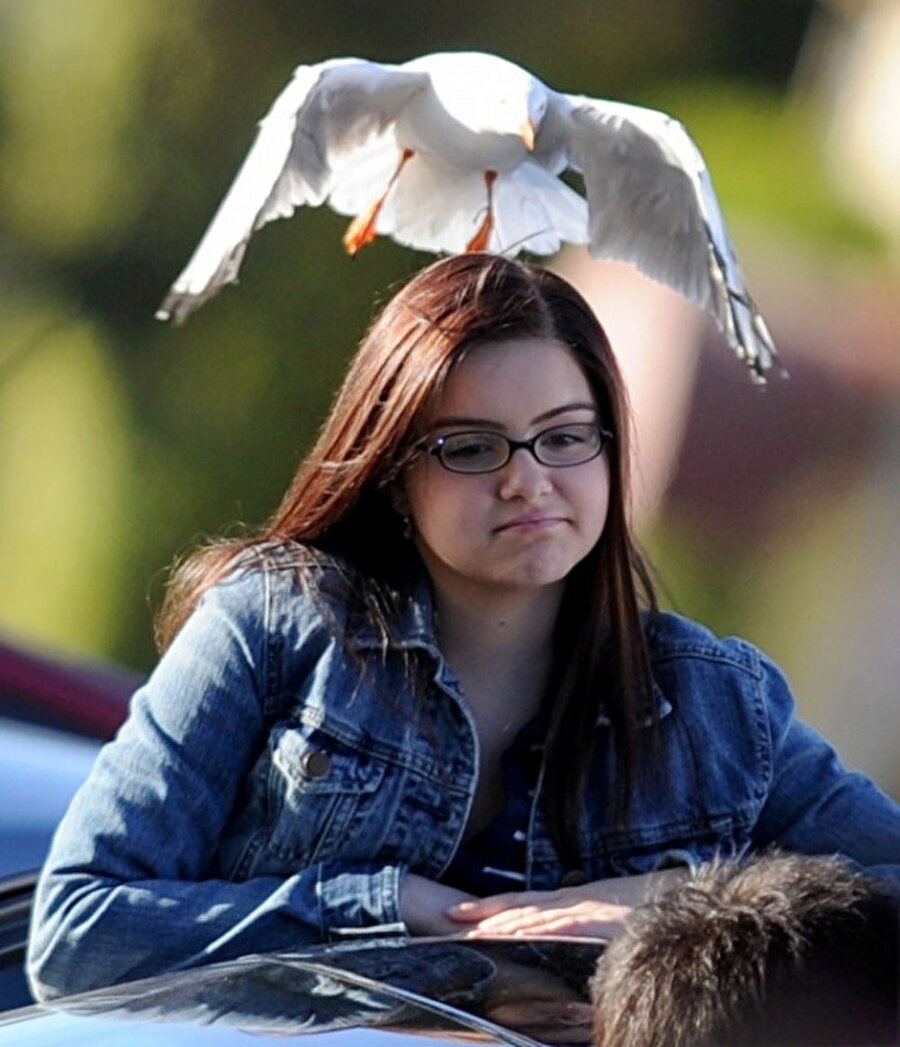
(316, 764)
(574, 878)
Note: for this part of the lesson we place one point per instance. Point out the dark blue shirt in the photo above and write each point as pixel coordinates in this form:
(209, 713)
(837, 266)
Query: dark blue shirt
(493, 860)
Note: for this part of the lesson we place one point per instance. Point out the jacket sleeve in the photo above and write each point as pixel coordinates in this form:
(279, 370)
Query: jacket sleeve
(125, 891)
(814, 804)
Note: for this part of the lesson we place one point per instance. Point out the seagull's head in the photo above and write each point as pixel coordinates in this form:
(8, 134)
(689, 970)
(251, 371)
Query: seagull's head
(513, 102)
(489, 95)
(536, 106)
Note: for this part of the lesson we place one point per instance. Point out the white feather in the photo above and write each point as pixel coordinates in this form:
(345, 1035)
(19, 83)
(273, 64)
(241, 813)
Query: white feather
(339, 130)
(534, 211)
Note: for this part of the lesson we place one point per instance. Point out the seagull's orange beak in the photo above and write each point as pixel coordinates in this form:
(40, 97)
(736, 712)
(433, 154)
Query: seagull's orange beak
(527, 132)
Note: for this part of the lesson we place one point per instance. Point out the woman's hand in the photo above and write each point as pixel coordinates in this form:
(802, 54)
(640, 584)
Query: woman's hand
(591, 910)
(424, 905)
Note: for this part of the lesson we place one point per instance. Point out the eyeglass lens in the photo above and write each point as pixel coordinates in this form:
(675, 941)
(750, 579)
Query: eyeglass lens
(480, 452)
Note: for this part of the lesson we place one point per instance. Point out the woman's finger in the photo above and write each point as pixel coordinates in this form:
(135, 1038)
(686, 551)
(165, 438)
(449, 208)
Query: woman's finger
(584, 920)
(483, 908)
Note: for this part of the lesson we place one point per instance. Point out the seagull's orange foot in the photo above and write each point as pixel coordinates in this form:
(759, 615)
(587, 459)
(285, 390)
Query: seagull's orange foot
(480, 240)
(361, 230)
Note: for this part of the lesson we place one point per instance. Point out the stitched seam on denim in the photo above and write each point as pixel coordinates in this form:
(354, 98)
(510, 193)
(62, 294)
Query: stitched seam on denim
(240, 869)
(314, 717)
(356, 782)
(702, 829)
(749, 666)
(763, 744)
(313, 854)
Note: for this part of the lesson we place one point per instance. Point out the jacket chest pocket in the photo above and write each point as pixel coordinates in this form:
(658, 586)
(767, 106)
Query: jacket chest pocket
(638, 852)
(325, 799)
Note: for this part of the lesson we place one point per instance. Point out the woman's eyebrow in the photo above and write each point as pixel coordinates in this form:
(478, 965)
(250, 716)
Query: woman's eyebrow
(578, 405)
(492, 423)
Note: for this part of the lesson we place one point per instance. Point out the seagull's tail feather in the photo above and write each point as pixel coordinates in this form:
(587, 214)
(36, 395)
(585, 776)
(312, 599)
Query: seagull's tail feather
(534, 211)
(433, 207)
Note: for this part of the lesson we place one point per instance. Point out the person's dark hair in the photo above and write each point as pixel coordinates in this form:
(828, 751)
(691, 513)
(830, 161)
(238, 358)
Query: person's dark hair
(338, 500)
(787, 949)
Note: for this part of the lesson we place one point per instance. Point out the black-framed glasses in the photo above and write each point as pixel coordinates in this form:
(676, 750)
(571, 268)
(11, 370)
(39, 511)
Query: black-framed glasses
(560, 446)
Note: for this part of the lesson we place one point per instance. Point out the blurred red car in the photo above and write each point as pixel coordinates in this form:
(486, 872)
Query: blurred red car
(54, 712)
(81, 696)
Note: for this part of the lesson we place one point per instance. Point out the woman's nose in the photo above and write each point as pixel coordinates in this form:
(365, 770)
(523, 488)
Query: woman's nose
(523, 476)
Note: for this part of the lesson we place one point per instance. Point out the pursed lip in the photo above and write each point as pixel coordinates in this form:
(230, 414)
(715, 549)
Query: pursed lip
(534, 522)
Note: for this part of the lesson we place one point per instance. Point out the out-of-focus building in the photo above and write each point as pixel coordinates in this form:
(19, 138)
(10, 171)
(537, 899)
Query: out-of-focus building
(854, 60)
(779, 510)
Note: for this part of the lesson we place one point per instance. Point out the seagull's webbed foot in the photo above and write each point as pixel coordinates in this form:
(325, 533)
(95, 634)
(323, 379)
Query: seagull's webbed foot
(362, 230)
(480, 240)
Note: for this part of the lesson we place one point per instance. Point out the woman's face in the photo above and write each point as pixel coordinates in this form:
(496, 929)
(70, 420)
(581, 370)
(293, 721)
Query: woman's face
(526, 525)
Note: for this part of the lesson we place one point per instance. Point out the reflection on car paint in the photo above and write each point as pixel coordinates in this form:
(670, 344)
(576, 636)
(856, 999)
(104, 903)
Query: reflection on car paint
(518, 992)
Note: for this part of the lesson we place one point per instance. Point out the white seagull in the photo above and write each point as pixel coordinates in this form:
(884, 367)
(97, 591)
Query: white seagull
(463, 152)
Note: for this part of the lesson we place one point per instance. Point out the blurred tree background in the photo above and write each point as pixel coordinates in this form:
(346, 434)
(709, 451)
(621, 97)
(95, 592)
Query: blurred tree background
(122, 441)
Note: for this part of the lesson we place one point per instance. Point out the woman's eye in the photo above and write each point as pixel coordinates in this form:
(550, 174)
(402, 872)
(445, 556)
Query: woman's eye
(564, 438)
(459, 450)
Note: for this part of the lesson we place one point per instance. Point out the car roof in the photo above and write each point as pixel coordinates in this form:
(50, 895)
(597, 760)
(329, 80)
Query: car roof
(389, 991)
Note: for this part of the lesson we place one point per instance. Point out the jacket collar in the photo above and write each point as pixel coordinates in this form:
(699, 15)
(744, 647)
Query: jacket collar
(412, 622)
(413, 627)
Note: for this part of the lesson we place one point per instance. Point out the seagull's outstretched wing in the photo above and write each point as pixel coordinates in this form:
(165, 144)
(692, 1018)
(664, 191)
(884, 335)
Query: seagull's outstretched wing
(326, 112)
(651, 203)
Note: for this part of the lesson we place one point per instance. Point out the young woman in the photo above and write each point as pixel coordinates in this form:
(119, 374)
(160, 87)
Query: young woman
(435, 695)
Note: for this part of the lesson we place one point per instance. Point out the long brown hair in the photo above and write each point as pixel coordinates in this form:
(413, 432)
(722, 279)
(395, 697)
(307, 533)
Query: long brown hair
(338, 499)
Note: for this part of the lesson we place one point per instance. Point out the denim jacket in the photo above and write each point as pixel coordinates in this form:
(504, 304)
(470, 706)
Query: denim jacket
(285, 765)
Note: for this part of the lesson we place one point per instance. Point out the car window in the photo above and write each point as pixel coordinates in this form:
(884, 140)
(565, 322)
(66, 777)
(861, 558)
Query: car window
(40, 769)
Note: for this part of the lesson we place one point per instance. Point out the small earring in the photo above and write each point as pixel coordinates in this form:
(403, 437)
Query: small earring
(407, 527)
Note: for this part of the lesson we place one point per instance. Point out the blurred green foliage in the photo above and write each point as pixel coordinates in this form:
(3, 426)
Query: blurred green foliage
(121, 126)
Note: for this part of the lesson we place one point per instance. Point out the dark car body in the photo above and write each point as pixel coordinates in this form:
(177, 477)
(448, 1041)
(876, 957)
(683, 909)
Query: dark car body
(365, 992)
(15, 907)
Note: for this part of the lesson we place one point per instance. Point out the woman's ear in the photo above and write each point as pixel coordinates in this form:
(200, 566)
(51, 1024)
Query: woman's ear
(396, 493)
(400, 504)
